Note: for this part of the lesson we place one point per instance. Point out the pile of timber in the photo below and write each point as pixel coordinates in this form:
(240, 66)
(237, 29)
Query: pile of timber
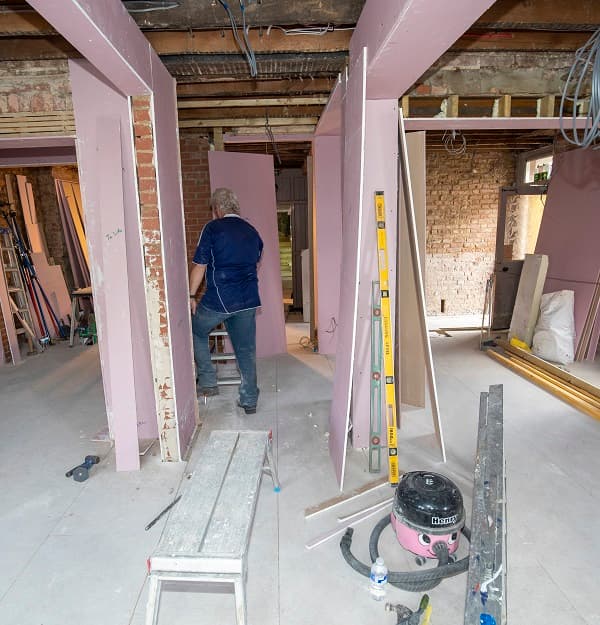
(573, 390)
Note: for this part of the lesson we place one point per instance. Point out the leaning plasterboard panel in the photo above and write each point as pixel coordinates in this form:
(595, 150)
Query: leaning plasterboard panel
(380, 174)
(354, 151)
(252, 178)
(569, 229)
(168, 172)
(327, 154)
(411, 366)
(529, 295)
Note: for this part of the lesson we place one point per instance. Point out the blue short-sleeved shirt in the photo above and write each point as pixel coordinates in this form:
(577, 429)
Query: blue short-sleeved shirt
(230, 248)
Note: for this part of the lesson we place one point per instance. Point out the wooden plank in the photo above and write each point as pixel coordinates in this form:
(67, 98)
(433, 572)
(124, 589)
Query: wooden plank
(546, 106)
(237, 88)
(197, 506)
(584, 395)
(569, 398)
(237, 102)
(76, 217)
(550, 368)
(248, 122)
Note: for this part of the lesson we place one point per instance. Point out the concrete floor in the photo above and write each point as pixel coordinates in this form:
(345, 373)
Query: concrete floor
(76, 552)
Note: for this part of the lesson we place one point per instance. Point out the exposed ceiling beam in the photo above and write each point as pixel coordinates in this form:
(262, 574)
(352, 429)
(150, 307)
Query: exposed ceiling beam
(251, 112)
(533, 41)
(232, 122)
(478, 123)
(549, 13)
(223, 42)
(241, 102)
(292, 86)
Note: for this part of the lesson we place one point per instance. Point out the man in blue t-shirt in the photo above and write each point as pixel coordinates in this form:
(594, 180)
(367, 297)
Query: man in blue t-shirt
(228, 251)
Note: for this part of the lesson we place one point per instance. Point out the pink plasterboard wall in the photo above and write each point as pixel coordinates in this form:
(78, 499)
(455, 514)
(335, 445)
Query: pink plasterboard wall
(327, 185)
(416, 31)
(330, 122)
(252, 178)
(170, 203)
(352, 199)
(93, 96)
(380, 174)
(107, 36)
(569, 229)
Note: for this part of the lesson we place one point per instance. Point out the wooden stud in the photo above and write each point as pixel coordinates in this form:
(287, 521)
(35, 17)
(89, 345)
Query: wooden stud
(502, 106)
(452, 106)
(218, 139)
(566, 396)
(545, 106)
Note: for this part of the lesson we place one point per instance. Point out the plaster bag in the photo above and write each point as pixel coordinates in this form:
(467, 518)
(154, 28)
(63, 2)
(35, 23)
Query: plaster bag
(554, 335)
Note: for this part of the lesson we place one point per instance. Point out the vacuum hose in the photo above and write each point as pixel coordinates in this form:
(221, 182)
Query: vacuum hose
(413, 581)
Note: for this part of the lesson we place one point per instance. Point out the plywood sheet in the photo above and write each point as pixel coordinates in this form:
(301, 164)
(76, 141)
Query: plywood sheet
(252, 178)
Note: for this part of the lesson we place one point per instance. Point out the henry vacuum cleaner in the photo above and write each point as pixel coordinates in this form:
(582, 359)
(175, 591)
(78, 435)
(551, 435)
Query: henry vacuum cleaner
(428, 518)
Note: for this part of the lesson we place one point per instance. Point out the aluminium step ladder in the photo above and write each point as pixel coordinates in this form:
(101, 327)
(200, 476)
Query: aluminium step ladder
(17, 295)
(225, 362)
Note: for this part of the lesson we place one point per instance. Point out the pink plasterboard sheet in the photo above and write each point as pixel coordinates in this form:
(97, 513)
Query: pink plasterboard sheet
(380, 174)
(106, 36)
(91, 92)
(252, 178)
(569, 229)
(168, 170)
(327, 159)
(354, 148)
(330, 122)
(111, 224)
(418, 31)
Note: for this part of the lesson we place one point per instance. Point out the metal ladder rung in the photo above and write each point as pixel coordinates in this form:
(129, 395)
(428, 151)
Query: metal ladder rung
(218, 333)
(229, 381)
(222, 356)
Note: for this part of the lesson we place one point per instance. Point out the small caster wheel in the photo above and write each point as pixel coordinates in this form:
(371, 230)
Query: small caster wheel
(420, 560)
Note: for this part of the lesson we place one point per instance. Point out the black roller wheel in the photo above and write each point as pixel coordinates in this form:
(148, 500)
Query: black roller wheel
(81, 474)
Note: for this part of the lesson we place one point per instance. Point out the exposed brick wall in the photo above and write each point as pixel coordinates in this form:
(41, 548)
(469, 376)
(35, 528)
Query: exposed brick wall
(34, 86)
(462, 208)
(194, 148)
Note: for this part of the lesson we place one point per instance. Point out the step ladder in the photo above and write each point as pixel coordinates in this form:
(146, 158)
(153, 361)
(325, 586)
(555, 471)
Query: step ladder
(17, 295)
(227, 375)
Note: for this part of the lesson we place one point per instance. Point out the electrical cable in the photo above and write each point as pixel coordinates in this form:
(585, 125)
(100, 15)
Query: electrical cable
(449, 139)
(247, 52)
(587, 59)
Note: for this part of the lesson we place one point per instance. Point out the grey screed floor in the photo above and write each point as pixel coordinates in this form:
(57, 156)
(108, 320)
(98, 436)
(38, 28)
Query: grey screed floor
(75, 553)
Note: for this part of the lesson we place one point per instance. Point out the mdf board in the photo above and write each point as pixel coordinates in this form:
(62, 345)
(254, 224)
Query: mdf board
(569, 229)
(252, 178)
(529, 295)
(352, 231)
(410, 356)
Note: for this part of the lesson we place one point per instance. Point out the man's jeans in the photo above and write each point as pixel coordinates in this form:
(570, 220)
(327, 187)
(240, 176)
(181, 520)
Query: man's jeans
(241, 327)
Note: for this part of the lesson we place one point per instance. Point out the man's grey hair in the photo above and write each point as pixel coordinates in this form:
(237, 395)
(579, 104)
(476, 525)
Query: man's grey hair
(225, 200)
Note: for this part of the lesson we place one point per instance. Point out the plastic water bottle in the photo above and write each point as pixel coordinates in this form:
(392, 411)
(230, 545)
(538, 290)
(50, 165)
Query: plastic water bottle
(378, 579)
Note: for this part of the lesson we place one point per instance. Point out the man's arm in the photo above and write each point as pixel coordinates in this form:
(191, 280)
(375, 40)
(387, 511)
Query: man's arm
(196, 277)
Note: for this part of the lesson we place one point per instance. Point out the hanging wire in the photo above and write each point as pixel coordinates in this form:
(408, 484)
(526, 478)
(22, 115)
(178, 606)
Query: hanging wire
(587, 61)
(271, 137)
(243, 42)
(455, 142)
